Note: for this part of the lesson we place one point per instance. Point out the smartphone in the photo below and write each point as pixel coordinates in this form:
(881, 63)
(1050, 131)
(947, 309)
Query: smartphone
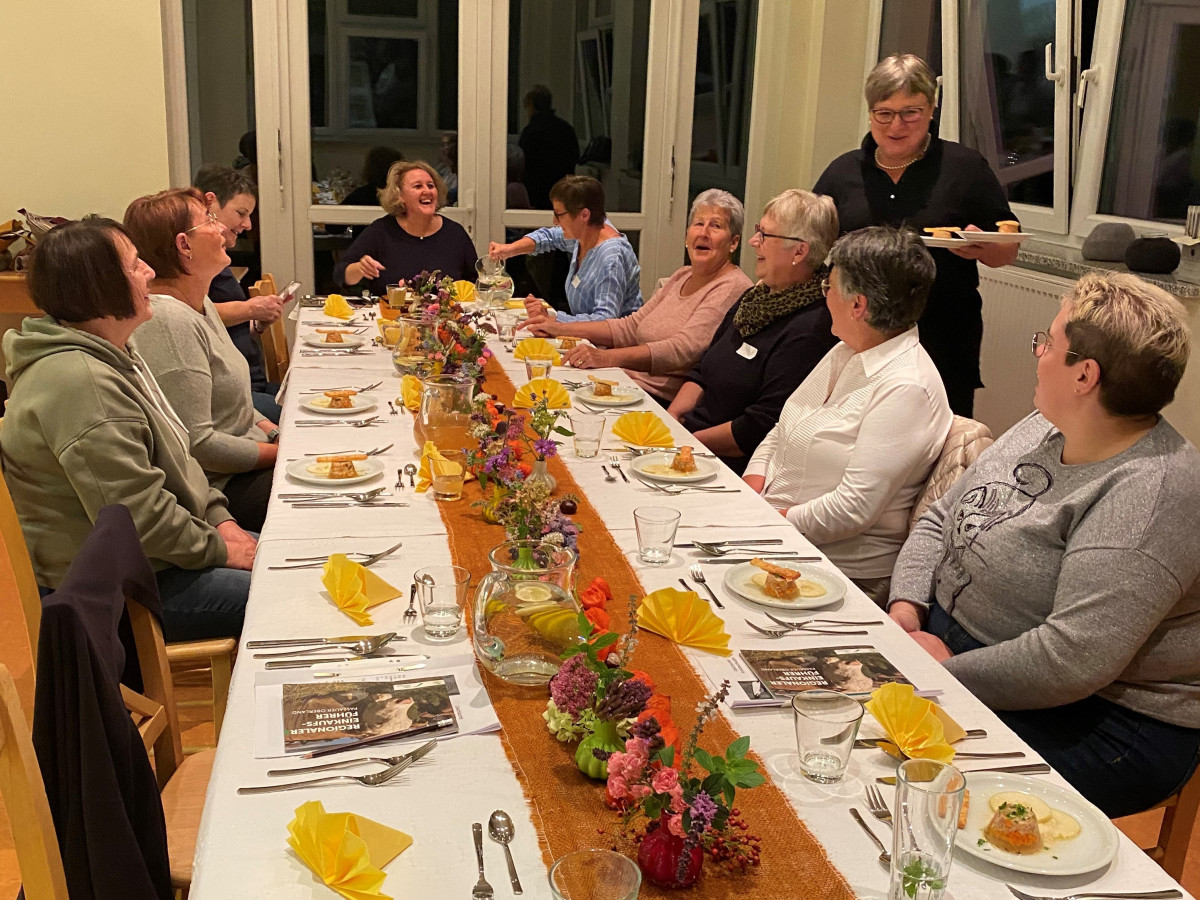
(290, 291)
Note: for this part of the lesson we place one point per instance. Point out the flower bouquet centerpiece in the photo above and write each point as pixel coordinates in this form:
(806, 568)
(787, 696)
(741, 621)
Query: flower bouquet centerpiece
(682, 811)
(452, 340)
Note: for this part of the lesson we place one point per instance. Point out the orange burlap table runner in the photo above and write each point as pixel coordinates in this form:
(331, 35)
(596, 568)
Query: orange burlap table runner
(568, 807)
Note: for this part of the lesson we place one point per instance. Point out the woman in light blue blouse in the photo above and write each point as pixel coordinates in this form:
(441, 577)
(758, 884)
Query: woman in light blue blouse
(602, 282)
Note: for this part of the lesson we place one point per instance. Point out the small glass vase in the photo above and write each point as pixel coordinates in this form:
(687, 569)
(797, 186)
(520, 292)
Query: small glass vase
(540, 474)
(603, 737)
(660, 854)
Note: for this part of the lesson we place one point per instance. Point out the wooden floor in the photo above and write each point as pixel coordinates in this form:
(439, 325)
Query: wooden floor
(196, 722)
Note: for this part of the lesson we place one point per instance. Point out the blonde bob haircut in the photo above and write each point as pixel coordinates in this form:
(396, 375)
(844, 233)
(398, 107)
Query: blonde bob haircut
(808, 217)
(390, 198)
(903, 73)
(1137, 333)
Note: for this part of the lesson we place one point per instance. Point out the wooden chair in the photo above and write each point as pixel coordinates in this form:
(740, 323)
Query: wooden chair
(274, 340)
(24, 796)
(1175, 834)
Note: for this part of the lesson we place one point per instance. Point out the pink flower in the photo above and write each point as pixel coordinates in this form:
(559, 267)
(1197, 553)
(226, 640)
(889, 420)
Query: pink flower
(639, 748)
(482, 361)
(675, 826)
(625, 766)
(677, 803)
(664, 780)
(639, 791)
(617, 786)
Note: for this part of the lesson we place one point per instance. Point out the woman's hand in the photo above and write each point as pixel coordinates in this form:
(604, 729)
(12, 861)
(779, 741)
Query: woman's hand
(585, 356)
(932, 645)
(499, 251)
(757, 483)
(535, 309)
(992, 255)
(240, 546)
(265, 309)
(365, 267)
(906, 614)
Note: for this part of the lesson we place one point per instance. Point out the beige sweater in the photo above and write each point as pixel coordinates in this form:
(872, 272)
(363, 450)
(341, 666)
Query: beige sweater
(677, 329)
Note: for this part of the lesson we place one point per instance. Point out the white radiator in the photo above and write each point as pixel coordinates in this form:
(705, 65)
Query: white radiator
(1018, 302)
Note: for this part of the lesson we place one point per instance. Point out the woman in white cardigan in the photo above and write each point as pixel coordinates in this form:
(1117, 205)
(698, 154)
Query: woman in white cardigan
(859, 437)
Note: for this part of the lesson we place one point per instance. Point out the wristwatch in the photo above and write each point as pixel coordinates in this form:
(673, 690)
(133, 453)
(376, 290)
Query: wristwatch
(272, 435)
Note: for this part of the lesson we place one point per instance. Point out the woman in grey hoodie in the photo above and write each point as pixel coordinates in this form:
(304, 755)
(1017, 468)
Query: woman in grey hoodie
(87, 426)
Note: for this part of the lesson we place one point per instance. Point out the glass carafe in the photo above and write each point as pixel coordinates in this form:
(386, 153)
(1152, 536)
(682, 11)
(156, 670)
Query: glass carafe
(524, 612)
(494, 286)
(445, 414)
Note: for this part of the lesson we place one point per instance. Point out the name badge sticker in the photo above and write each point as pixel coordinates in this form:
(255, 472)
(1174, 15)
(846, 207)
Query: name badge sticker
(746, 351)
(575, 281)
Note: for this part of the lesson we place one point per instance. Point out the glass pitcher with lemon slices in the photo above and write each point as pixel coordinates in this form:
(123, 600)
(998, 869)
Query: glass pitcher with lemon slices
(524, 611)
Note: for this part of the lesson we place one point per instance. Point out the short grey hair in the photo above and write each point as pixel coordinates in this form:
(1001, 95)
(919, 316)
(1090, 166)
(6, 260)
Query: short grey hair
(721, 200)
(811, 217)
(891, 269)
(905, 73)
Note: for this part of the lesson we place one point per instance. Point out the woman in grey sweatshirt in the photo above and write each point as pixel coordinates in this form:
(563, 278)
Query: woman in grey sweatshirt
(1059, 579)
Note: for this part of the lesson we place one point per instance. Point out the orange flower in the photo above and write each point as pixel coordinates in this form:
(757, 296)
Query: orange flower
(598, 617)
(602, 585)
(602, 654)
(593, 598)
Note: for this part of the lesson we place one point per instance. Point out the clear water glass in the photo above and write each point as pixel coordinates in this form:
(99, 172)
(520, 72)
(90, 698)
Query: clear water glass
(656, 527)
(538, 366)
(826, 726)
(448, 488)
(595, 875)
(928, 797)
(588, 433)
(506, 324)
(442, 593)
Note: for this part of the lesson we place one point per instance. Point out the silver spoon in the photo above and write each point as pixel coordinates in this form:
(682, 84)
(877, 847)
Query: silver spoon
(608, 476)
(500, 827)
(365, 647)
(411, 470)
(884, 856)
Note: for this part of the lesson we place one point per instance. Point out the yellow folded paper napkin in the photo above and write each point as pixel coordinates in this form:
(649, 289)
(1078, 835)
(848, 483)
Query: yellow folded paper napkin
(346, 851)
(355, 588)
(337, 307)
(529, 394)
(434, 463)
(537, 347)
(643, 428)
(464, 291)
(514, 304)
(918, 726)
(411, 389)
(681, 616)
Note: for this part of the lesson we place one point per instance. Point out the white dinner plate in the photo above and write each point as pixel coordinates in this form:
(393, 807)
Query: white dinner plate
(994, 237)
(299, 470)
(349, 341)
(931, 241)
(739, 580)
(657, 467)
(622, 395)
(320, 404)
(1094, 846)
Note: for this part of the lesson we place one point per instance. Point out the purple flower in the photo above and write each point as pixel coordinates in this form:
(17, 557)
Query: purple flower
(573, 688)
(624, 700)
(703, 809)
(545, 448)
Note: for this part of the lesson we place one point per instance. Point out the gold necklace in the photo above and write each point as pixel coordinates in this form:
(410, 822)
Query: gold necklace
(920, 155)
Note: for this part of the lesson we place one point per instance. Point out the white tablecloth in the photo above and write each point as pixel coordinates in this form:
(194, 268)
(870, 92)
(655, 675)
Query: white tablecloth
(241, 851)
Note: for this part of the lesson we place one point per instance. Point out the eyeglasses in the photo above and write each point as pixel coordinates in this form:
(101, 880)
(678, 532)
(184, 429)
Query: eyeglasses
(783, 237)
(210, 219)
(1041, 343)
(884, 116)
(560, 215)
(825, 286)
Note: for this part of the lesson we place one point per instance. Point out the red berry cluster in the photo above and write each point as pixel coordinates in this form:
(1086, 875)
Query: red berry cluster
(732, 848)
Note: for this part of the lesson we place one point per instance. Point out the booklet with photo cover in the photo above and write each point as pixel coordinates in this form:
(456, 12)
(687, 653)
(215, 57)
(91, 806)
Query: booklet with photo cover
(855, 669)
(341, 710)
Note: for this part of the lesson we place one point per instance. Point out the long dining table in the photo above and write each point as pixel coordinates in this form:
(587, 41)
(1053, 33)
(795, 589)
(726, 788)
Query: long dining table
(241, 848)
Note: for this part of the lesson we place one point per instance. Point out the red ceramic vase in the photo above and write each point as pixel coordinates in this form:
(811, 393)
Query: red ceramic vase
(659, 857)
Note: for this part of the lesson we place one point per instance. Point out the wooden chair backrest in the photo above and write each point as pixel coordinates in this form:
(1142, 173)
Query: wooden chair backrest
(24, 795)
(154, 710)
(274, 340)
(1179, 821)
(18, 591)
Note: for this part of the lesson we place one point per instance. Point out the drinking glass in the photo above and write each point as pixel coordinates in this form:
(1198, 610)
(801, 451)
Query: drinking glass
(656, 526)
(595, 875)
(442, 592)
(589, 431)
(928, 797)
(448, 488)
(506, 324)
(826, 726)
(538, 366)
(397, 296)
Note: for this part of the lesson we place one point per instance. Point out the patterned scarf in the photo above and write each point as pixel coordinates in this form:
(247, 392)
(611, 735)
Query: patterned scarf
(759, 306)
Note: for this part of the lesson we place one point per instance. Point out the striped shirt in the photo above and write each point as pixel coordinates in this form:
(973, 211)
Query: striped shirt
(605, 286)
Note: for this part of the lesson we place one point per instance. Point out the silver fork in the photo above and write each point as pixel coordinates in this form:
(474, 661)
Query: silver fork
(374, 452)
(876, 806)
(353, 423)
(410, 614)
(698, 576)
(775, 633)
(399, 479)
(804, 626)
(369, 561)
(616, 464)
(482, 890)
(375, 779)
(392, 407)
(361, 390)
(1137, 895)
(742, 551)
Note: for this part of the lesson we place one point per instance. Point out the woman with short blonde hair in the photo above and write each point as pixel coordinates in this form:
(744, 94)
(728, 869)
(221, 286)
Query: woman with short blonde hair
(412, 238)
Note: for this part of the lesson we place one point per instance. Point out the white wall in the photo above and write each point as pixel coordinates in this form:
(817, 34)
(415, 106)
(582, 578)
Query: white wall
(85, 117)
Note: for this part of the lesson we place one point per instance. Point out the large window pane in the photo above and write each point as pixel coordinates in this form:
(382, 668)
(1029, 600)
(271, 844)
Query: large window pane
(1006, 103)
(912, 26)
(383, 83)
(577, 97)
(1152, 157)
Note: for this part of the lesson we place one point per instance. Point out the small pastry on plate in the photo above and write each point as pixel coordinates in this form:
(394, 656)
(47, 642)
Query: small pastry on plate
(942, 231)
(683, 461)
(1009, 226)
(600, 387)
(333, 335)
(1014, 827)
(781, 582)
(341, 399)
(342, 466)
(567, 343)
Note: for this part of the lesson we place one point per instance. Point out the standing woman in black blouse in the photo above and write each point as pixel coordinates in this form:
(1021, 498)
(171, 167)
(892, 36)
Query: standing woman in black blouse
(412, 238)
(904, 175)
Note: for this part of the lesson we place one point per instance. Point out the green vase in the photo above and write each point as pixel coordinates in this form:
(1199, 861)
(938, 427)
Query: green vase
(604, 737)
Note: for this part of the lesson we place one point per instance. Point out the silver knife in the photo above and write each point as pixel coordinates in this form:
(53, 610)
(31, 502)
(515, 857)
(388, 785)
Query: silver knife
(325, 660)
(735, 543)
(295, 642)
(1027, 769)
(395, 761)
(774, 559)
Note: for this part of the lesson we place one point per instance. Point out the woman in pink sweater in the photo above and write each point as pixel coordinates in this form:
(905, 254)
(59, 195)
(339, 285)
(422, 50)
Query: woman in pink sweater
(660, 343)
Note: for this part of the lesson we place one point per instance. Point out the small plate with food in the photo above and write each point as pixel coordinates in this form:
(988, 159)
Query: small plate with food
(1019, 823)
(338, 338)
(678, 466)
(340, 403)
(603, 392)
(994, 237)
(783, 587)
(346, 468)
